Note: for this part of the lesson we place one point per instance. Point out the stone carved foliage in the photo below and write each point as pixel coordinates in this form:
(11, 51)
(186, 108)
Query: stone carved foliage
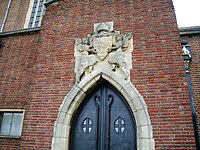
(105, 47)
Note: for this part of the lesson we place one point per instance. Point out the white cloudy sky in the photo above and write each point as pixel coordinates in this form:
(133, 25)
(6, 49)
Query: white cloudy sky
(187, 12)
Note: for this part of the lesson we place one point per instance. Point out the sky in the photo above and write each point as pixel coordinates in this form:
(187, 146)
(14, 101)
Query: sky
(187, 12)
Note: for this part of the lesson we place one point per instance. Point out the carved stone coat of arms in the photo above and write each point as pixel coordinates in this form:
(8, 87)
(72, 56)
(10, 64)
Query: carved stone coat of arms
(105, 47)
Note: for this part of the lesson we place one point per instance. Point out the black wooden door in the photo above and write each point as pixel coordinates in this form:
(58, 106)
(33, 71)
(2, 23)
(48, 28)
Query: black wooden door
(103, 122)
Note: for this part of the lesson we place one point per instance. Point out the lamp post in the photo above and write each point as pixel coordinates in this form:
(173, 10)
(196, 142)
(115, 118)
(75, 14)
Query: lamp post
(187, 57)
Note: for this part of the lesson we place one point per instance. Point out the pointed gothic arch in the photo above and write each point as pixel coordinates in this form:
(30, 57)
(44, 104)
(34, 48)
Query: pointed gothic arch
(68, 108)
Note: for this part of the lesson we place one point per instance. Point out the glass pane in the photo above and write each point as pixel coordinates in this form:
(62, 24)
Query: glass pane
(38, 18)
(36, 23)
(38, 14)
(122, 129)
(33, 11)
(117, 122)
(87, 125)
(85, 122)
(90, 129)
(6, 124)
(1, 117)
(117, 130)
(39, 9)
(35, 5)
(122, 121)
(90, 122)
(30, 24)
(32, 15)
(41, 4)
(16, 124)
(31, 20)
(44, 11)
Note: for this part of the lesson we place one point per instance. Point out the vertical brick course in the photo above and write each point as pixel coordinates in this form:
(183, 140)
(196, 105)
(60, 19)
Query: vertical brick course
(41, 84)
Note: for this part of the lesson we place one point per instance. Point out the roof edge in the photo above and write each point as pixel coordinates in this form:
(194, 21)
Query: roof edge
(50, 2)
(182, 30)
(189, 30)
(20, 31)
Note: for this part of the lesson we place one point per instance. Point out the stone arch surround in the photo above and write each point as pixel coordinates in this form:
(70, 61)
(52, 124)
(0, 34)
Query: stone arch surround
(61, 137)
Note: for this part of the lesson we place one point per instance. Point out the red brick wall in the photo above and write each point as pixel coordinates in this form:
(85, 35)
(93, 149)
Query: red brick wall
(3, 7)
(194, 41)
(16, 70)
(157, 73)
(16, 14)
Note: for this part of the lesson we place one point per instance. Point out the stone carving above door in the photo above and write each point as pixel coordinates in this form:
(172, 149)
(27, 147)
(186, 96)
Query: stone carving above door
(104, 48)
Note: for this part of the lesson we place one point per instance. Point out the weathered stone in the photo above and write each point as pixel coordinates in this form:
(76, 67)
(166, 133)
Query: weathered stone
(104, 47)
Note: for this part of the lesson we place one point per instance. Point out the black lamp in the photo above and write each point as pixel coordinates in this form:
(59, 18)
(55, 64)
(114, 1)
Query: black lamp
(187, 55)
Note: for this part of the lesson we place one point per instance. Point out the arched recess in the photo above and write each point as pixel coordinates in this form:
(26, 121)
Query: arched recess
(74, 98)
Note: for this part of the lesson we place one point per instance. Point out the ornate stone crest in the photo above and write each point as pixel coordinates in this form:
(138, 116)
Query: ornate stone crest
(105, 47)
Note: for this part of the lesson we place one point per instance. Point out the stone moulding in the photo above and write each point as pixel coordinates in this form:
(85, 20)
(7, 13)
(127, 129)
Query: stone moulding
(21, 32)
(61, 137)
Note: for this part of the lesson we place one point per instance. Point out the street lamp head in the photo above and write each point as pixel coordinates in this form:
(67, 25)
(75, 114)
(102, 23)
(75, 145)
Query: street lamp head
(187, 55)
(186, 49)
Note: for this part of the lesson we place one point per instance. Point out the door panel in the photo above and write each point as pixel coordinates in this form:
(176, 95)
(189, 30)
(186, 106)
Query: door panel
(84, 133)
(103, 122)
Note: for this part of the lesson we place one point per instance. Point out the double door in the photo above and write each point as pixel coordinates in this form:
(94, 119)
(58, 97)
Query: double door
(103, 122)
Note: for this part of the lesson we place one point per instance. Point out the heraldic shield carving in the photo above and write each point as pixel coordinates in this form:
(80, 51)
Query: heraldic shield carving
(104, 47)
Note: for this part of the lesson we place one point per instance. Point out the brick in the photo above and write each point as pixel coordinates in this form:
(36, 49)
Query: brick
(37, 70)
